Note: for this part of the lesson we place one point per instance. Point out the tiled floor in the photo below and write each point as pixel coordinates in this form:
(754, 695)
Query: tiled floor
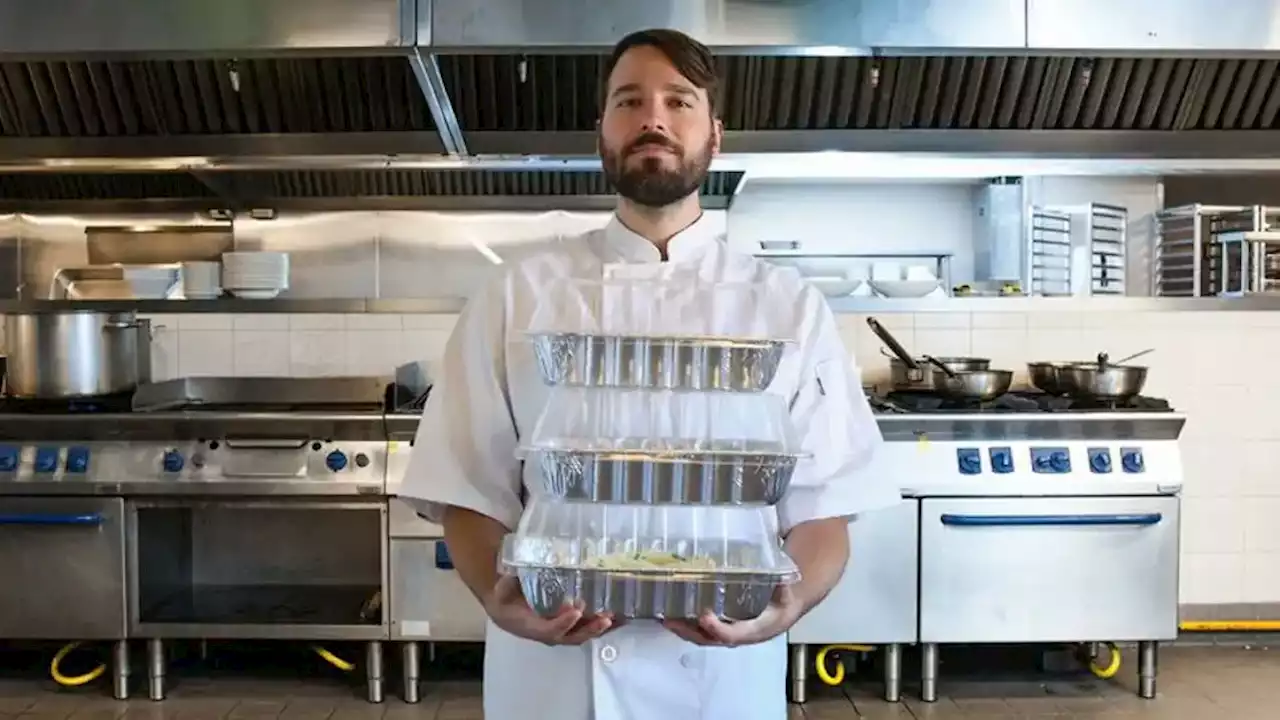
(1196, 683)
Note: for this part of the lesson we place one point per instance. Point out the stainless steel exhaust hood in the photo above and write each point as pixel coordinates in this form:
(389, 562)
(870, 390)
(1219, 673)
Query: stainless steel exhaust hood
(256, 101)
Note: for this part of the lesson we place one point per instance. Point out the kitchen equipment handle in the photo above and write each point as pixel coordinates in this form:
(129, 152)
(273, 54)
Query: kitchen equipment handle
(50, 519)
(264, 444)
(1141, 519)
(892, 342)
(122, 325)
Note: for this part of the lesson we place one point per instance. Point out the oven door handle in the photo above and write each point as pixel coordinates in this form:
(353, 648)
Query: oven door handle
(93, 519)
(1139, 519)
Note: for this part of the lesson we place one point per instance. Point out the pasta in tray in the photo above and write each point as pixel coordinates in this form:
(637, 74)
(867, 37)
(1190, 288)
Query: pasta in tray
(653, 560)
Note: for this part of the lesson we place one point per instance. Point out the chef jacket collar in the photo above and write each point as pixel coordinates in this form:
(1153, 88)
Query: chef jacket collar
(627, 246)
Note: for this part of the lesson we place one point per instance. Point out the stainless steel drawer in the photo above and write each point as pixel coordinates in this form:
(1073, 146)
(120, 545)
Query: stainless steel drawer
(62, 563)
(876, 599)
(428, 599)
(1049, 569)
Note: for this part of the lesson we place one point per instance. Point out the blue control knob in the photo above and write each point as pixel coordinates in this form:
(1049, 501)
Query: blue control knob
(78, 460)
(1131, 461)
(8, 459)
(335, 461)
(1041, 463)
(968, 461)
(46, 460)
(172, 461)
(1059, 461)
(1001, 460)
(1100, 461)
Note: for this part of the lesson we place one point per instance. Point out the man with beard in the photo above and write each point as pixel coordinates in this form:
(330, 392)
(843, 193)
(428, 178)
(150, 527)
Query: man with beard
(658, 134)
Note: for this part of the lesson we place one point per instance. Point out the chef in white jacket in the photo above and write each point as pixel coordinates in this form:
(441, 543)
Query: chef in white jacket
(658, 133)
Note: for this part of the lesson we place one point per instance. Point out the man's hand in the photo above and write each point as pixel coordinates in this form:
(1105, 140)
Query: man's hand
(783, 612)
(511, 612)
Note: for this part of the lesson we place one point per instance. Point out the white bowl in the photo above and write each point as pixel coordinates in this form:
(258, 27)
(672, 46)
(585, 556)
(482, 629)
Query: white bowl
(834, 286)
(904, 288)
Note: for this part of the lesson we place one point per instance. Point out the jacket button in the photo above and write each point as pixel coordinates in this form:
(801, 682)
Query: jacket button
(608, 653)
(686, 660)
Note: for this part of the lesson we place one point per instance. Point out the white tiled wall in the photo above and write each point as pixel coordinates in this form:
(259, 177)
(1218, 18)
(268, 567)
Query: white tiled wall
(1213, 366)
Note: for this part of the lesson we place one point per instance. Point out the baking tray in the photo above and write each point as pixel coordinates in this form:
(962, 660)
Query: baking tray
(664, 447)
(562, 553)
(647, 361)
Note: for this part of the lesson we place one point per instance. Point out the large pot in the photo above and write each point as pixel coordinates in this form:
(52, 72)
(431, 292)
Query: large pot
(78, 353)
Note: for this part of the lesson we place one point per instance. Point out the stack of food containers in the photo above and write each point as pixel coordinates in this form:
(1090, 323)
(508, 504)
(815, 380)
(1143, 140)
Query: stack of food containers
(659, 453)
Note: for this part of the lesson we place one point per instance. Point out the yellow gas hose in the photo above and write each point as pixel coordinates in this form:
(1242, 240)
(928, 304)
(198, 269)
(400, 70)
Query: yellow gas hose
(1231, 626)
(1113, 663)
(334, 660)
(820, 662)
(78, 680)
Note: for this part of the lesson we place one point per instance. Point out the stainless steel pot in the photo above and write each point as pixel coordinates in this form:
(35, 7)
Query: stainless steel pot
(981, 385)
(75, 354)
(921, 378)
(1103, 382)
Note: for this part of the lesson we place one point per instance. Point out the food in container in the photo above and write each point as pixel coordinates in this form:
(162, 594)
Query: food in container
(664, 447)
(637, 561)
(671, 334)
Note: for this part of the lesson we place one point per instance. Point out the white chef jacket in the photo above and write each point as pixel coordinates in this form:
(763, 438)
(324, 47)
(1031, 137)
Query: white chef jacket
(488, 395)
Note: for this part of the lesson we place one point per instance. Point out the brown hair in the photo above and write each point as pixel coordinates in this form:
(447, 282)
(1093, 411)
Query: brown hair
(691, 59)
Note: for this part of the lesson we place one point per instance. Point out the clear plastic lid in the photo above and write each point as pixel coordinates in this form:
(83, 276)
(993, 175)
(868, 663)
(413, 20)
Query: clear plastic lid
(656, 422)
(648, 540)
(687, 307)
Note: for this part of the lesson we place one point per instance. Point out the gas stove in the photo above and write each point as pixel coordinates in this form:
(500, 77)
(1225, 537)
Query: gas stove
(1011, 402)
(313, 436)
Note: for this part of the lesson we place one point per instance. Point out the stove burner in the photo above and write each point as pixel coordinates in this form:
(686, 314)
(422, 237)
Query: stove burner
(907, 401)
(116, 403)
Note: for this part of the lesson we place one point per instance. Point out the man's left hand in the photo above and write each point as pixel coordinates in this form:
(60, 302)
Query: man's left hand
(783, 612)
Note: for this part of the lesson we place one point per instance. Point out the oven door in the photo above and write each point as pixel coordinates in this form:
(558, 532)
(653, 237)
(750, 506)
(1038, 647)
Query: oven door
(428, 599)
(62, 565)
(1048, 569)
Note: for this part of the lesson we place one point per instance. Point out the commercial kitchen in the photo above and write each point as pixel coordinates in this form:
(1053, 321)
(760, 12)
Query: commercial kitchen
(234, 240)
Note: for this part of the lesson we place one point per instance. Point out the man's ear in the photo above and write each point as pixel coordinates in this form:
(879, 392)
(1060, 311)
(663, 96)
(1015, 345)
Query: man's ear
(717, 135)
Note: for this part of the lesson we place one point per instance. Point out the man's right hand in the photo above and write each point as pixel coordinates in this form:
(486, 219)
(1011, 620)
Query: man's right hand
(510, 611)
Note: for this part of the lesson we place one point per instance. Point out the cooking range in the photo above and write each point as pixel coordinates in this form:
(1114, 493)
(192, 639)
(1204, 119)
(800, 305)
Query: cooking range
(197, 508)
(1030, 518)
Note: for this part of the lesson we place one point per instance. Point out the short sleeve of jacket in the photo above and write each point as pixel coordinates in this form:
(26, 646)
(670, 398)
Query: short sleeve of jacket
(464, 451)
(837, 429)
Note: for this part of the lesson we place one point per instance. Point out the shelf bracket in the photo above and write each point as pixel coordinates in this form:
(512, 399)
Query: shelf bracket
(426, 69)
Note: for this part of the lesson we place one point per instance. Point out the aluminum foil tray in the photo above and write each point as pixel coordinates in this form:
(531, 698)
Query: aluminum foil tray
(677, 363)
(647, 562)
(665, 447)
(686, 475)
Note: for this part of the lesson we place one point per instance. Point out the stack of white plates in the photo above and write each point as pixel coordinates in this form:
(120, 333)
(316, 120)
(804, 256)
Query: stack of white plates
(255, 275)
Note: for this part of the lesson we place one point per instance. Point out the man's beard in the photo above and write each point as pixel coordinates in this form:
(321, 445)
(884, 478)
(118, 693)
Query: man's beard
(651, 184)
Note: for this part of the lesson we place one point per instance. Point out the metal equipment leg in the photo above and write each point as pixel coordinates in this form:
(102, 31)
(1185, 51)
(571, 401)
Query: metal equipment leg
(120, 670)
(892, 673)
(155, 669)
(411, 660)
(1147, 661)
(799, 672)
(929, 672)
(373, 670)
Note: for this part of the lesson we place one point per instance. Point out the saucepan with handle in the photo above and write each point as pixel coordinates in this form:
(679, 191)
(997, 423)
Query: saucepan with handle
(1101, 380)
(980, 385)
(909, 373)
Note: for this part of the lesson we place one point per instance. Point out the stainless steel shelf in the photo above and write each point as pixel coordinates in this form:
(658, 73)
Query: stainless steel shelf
(1252, 303)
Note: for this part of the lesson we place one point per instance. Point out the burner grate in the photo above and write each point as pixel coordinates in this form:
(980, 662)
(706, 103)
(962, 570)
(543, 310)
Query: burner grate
(906, 401)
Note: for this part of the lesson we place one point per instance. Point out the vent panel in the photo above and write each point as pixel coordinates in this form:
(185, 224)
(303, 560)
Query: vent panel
(209, 97)
(562, 93)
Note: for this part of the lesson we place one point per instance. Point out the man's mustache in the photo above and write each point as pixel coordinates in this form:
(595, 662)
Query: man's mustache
(652, 139)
